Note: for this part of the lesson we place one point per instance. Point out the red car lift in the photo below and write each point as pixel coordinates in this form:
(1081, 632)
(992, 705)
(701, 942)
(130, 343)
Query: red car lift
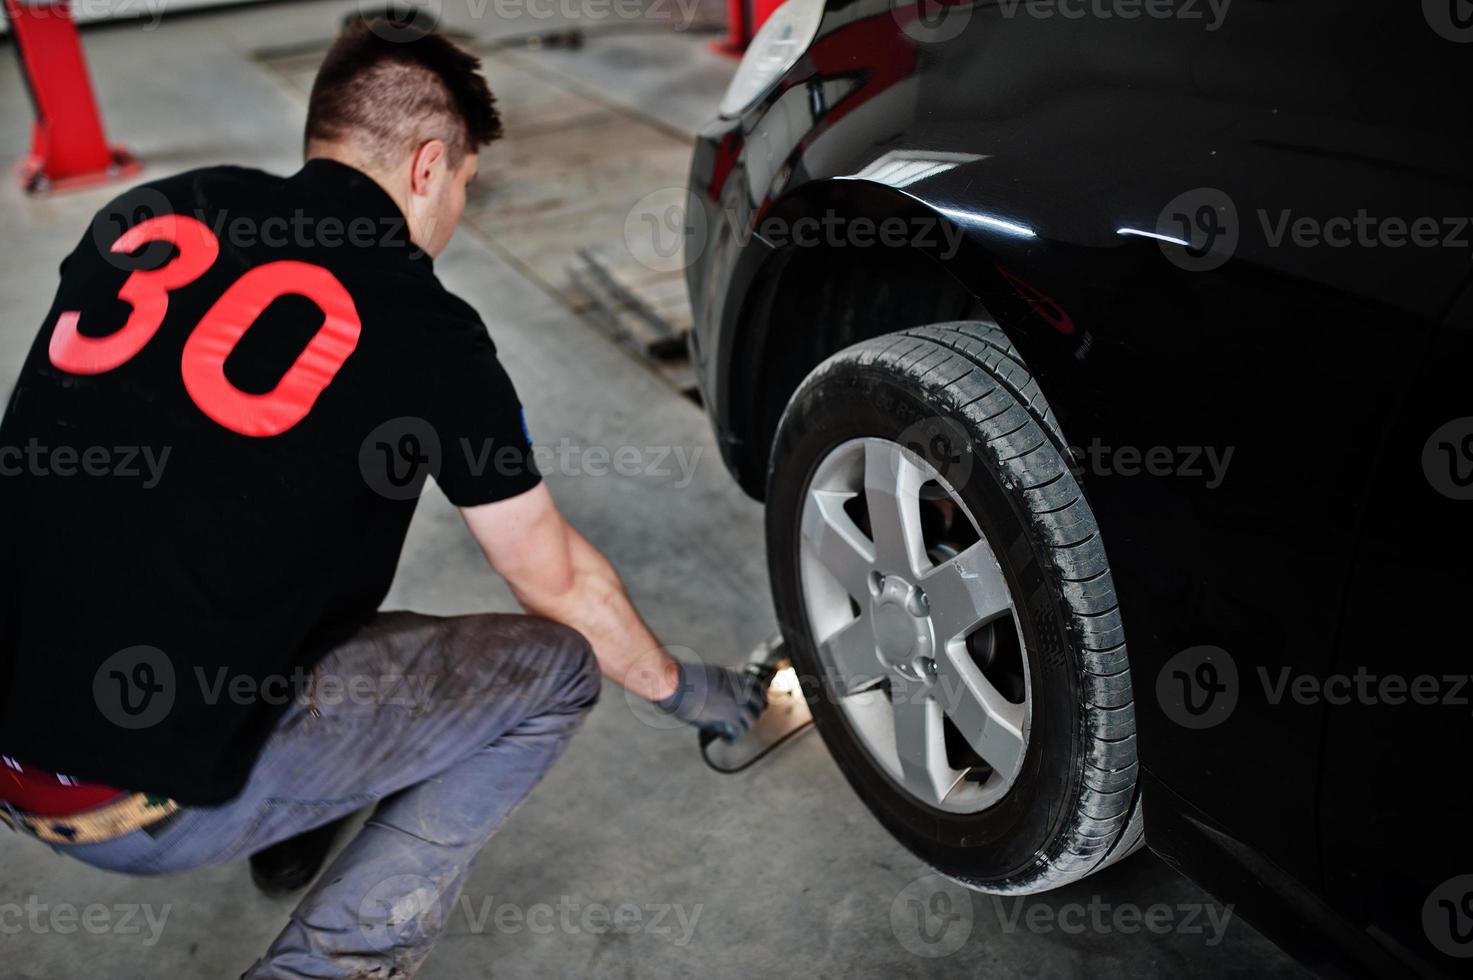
(68, 147)
(743, 17)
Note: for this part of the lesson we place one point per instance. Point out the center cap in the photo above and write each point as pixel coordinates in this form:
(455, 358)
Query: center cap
(895, 633)
(904, 639)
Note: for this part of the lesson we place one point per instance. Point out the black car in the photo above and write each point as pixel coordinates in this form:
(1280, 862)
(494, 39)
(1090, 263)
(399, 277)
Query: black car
(1103, 368)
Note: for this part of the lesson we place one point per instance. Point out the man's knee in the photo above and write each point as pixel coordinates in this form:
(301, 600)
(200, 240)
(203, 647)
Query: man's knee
(551, 662)
(574, 660)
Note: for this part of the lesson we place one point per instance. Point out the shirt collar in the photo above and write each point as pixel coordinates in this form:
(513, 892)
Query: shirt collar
(349, 193)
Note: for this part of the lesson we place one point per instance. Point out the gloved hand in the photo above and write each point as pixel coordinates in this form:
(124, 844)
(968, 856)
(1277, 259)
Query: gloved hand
(715, 699)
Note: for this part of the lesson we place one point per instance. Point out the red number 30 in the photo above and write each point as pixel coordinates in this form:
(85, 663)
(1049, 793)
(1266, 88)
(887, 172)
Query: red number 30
(217, 333)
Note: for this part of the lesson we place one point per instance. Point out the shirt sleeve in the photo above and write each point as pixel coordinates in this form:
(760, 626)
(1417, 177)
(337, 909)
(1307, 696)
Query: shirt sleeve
(485, 449)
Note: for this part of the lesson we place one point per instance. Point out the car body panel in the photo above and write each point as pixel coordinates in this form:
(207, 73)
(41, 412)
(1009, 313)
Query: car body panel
(1057, 147)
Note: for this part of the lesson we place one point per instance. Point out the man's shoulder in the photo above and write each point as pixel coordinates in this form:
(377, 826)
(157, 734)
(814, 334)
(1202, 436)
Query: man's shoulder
(453, 312)
(444, 324)
(202, 193)
(197, 188)
(227, 171)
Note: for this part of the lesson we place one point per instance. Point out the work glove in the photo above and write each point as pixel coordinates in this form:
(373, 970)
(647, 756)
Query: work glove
(715, 699)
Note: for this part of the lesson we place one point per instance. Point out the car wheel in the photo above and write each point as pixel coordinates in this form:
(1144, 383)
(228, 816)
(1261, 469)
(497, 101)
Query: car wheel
(943, 589)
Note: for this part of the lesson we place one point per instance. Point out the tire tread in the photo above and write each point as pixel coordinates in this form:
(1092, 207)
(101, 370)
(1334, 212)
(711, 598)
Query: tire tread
(973, 370)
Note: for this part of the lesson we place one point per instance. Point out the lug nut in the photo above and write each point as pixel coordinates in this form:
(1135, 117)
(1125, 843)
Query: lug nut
(919, 605)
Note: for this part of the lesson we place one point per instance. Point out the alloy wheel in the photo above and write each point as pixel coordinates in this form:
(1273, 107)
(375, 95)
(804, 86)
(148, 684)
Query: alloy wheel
(915, 625)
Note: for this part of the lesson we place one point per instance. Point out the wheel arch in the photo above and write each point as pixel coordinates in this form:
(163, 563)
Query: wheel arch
(806, 302)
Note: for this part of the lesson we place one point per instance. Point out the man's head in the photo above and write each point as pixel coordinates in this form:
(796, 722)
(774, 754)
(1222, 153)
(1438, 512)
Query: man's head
(412, 113)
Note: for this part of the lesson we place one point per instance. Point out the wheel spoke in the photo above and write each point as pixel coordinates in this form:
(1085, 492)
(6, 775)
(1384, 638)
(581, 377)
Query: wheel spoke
(892, 486)
(839, 545)
(990, 723)
(965, 592)
(851, 658)
(920, 742)
(881, 608)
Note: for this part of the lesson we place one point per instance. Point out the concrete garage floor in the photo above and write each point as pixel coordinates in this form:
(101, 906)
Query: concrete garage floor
(778, 871)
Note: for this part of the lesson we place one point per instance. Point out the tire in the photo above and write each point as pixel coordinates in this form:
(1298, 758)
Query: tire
(1034, 817)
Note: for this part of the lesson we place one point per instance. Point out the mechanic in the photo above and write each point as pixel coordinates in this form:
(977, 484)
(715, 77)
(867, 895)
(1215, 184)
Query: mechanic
(291, 377)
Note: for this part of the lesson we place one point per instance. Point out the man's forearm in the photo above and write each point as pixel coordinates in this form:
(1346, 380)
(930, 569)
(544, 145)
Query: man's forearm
(594, 602)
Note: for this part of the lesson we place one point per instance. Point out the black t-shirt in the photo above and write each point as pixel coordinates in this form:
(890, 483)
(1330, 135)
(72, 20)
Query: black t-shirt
(210, 460)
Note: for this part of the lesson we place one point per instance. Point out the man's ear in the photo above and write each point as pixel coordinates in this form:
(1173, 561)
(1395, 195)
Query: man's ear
(422, 172)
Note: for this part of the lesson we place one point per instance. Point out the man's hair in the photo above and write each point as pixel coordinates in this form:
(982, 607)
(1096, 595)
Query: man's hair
(387, 88)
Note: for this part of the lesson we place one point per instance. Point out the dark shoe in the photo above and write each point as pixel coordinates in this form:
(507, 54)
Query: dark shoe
(283, 868)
